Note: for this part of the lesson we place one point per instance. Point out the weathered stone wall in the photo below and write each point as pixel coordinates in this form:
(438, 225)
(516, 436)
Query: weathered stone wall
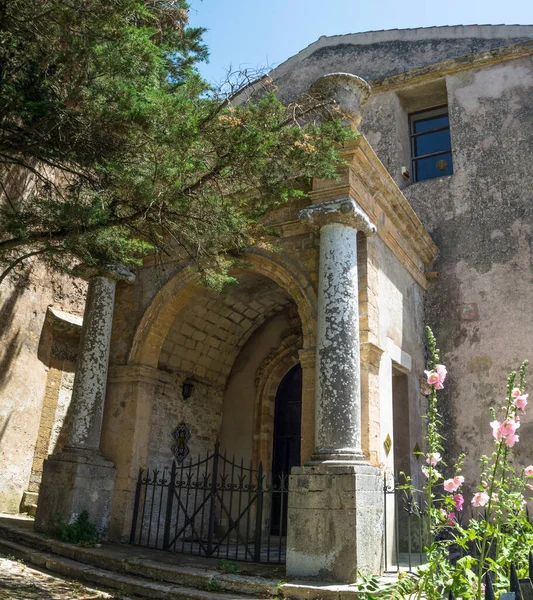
(27, 351)
(480, 217)
(400, 302)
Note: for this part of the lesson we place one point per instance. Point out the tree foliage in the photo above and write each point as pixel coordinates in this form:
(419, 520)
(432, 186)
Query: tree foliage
(112, 146)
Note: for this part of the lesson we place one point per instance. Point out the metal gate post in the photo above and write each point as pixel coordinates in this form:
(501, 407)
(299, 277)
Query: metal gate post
(170, 500)
(136, 507)
(212, 504)
(259, 514)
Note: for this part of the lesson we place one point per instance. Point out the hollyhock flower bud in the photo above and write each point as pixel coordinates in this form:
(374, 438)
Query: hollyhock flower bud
(459, 501)
(480, 499)
(528, 471)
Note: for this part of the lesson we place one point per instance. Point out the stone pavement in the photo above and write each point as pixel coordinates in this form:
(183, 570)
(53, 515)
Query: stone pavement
(20, 582)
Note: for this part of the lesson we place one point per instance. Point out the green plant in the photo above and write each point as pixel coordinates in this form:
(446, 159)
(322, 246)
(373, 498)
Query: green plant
(212, 586)
(228, 566)
(490, 540)
(81, 531)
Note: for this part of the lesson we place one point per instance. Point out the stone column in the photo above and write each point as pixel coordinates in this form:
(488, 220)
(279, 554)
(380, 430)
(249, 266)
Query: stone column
(338, 389)
(79, 478)
(335, 506)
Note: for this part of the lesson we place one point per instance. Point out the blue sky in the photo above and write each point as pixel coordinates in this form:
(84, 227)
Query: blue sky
(261, 33)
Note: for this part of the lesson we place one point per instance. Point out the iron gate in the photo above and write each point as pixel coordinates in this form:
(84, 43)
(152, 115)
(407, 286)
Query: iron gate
(214, 507)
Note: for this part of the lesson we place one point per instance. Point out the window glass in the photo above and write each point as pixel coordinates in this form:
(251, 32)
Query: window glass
(431, 154)
(427, 143)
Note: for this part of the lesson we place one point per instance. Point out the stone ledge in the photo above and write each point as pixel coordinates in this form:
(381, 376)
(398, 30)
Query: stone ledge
(314, 590)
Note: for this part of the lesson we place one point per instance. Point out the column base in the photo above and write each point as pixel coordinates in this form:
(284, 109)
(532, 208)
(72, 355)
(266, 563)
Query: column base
(73, 481)
(335, 521)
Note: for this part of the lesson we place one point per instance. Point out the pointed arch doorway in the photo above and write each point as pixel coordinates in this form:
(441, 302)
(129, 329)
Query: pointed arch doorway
(287, 440)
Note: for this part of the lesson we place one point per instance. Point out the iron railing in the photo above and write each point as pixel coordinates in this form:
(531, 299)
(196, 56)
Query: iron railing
(214, 507)
(405, 527)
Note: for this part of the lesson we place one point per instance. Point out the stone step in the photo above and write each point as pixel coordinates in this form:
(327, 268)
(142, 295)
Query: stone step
(128, 584)
(120, 562)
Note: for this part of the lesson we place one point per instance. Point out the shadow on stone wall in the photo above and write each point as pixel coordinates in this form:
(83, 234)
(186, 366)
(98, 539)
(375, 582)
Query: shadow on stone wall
(9, 338)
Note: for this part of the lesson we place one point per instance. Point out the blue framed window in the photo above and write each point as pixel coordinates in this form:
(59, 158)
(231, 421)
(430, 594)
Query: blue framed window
(431, 148)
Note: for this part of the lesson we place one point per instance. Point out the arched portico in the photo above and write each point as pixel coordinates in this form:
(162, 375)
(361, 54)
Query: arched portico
(190, 333)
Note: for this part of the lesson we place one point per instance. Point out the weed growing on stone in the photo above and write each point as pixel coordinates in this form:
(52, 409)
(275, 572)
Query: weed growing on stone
(228, 566)
(81, 531)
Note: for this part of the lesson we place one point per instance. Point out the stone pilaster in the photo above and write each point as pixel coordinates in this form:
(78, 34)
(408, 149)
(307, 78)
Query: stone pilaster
(79, 477)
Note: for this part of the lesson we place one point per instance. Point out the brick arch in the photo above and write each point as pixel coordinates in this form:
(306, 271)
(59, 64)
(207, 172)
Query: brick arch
(183, 290)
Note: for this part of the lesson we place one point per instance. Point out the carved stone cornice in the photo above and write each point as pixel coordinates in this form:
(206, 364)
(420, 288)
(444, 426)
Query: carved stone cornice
(341, 210)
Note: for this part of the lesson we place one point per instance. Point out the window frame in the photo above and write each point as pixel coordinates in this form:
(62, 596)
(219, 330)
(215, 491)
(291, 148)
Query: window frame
(420, 115)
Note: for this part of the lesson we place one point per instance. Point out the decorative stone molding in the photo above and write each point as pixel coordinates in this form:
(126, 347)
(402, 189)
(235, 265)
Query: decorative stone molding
(343, 210)
(370, 356)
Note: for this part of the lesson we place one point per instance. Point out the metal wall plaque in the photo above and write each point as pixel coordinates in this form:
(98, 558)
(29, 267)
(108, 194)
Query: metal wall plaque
(181, 436)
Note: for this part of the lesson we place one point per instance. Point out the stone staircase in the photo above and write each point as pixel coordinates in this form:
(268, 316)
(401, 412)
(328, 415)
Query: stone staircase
(112, 566)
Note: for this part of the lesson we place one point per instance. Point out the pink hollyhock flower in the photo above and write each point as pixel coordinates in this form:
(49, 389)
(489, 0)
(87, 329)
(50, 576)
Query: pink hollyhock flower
(480, 499)
(459, 501)
(528, 471)
(451, 518)
(436, 474)
(433, 459)
(451, 485)
(509, 426)
(432, 376)
(515, 393)
(441, 372)
(521, 402)
(496, 430)
(511, 440)
(530, 486)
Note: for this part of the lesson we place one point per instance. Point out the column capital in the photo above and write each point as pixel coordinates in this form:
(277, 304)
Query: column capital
(114, 271)
(342, 210)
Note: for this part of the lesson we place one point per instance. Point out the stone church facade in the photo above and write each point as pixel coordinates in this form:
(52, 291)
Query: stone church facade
(430, 222)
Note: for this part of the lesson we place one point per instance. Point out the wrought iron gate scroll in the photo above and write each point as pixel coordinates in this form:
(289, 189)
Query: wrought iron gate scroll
(213, 506)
